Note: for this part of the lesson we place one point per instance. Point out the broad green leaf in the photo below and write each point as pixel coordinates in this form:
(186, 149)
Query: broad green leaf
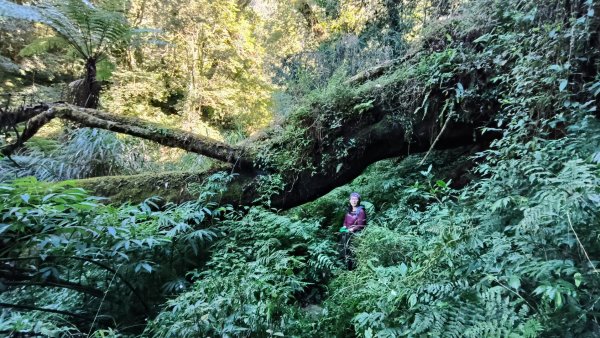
(412, 300)
(484, 38)
(460, 90)
(563, 84)
(403, 269)
(514, 282)
(3, 227)
(578, 279)
(147, 267)
(556, 68)
(558, 299)
(47, 197)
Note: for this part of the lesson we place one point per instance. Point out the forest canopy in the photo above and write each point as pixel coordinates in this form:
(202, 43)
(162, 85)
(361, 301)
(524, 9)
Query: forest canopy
(181, 168)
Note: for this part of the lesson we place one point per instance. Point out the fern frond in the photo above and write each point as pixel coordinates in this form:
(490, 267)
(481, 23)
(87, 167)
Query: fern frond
(43, 45)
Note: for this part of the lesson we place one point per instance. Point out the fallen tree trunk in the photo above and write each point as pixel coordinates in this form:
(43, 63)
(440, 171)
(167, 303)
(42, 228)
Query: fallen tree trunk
(376, 133)
(381, 142)
(392, 111)
(377, 137)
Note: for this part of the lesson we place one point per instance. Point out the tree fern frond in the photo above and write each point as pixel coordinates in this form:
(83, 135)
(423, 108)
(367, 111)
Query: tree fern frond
(66, 27)
(43, 45)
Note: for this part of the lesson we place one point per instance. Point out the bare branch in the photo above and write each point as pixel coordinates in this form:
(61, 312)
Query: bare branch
(33, 126)
(27, 277)
(40, 115)
(89, 260)
(60, 284)
(35, 308)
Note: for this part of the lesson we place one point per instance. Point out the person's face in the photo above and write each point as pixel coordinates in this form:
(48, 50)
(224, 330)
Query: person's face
(353, 201)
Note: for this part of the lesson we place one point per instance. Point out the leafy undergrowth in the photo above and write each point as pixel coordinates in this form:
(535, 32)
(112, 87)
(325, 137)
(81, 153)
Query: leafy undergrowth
(78, 263)
(81, 265)
(85, 152)
(510, 254)
(261, 272)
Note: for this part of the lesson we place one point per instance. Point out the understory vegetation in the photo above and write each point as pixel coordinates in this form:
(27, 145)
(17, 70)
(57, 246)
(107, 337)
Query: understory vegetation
(500, 238)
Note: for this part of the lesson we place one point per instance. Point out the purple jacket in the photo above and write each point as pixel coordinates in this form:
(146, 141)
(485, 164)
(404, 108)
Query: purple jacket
(356, 220)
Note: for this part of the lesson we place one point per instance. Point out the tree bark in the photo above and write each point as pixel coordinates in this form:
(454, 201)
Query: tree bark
(86, 91)
(11, 118)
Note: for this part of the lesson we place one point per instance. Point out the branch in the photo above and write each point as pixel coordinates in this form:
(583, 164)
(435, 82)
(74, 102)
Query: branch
(11, 118)
(95, 262)
(12, 277)
(167, 137)
(33, 126)
(131, 126)
(60, 284)
(35, 308)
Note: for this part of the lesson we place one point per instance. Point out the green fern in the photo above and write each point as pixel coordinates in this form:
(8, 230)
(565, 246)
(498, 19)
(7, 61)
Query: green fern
(43, 45)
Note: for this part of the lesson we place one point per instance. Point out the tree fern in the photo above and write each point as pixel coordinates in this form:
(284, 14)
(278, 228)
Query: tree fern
(92, 30)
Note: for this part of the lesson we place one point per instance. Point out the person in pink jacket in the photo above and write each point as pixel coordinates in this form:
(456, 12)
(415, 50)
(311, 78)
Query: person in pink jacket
(356, 217)
(354, 221)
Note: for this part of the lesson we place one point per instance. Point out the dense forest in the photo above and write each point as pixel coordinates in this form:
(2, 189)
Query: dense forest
(176, 168)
